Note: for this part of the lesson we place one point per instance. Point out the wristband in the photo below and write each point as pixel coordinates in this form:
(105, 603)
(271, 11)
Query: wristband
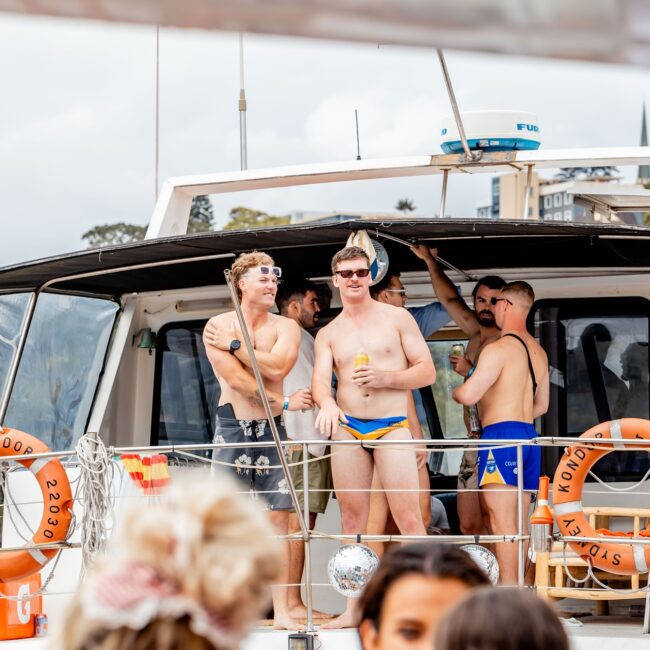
(285, 406)
(469, 372)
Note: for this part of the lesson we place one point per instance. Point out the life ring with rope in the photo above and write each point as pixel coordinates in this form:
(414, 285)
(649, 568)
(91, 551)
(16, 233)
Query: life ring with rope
(57, 504)
(623, 558)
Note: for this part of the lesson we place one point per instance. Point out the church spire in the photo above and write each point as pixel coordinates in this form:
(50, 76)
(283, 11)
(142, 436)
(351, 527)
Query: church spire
(643, 176)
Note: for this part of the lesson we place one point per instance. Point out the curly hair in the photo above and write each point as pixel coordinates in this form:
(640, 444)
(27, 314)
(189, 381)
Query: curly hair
(244, 263)
(214, 546)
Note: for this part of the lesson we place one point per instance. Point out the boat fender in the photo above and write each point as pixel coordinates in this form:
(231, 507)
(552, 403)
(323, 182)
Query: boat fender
(620, 558)
(57, 504)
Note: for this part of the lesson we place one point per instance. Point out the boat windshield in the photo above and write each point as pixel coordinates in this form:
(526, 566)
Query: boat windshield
(12, 314)
(60, 366)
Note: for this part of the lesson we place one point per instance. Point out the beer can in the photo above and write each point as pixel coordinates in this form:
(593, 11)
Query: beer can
(361, 359)
(457, 350)
(40, 625)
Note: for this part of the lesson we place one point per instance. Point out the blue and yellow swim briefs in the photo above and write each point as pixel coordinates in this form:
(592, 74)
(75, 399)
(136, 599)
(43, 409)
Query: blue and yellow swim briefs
(373, 429)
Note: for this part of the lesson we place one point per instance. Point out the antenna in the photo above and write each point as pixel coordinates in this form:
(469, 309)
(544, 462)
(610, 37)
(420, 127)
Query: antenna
(242, 107)
(157, 120)
(356, 119)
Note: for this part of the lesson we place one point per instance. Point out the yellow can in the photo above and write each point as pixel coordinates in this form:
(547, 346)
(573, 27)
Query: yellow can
(361, 359)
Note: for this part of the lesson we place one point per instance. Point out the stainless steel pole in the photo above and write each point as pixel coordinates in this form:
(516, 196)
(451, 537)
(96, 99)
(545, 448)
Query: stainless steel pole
(267, 407)
(307, 541)
(443, 193)
(471, 155)
(13, 368)
(529, 178)
(521, 571)
(243, 147)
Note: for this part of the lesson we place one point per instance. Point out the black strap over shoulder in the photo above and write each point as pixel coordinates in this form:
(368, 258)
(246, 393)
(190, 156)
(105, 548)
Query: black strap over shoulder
(530, 363)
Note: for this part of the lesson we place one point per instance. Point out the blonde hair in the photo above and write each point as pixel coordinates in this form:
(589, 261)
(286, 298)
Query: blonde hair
(244, 263)
(215, 546)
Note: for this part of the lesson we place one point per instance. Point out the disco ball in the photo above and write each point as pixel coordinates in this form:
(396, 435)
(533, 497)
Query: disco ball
(485, 559)
(350, 568)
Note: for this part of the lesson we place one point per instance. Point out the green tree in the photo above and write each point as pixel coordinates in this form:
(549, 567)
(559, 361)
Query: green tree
(113, 233)
(405, 205)
(572, 173)
(241, 218)
(201, 220)
(201, 215)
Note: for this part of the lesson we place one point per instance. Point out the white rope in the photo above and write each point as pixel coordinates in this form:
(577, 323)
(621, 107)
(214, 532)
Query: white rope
(95, 489)
(624, 489)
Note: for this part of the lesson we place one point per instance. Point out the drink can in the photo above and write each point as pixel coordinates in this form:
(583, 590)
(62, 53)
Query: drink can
(40, 625)
(361, 359)
(457, 350)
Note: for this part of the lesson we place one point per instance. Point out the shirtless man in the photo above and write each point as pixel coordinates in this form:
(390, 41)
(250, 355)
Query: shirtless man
(480, 328)
(371, 400)
(510, 384)
(241, 416)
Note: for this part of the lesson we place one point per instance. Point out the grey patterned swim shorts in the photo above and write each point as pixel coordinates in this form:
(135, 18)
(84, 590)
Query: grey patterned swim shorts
(258, 468)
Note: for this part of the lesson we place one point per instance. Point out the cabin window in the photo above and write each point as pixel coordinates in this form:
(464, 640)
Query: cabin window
(60, 367)
(598, 355)
(449, 413)
(186, 390)
(12, 315)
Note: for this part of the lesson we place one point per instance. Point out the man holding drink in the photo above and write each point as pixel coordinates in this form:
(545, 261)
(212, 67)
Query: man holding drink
(378, 355)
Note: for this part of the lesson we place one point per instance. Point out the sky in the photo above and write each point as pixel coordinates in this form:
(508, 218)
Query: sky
(77, 120)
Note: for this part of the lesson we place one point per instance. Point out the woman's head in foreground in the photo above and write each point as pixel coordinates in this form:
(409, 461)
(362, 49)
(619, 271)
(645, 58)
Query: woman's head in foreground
(412, 588)
(501, 619)
(189, 571)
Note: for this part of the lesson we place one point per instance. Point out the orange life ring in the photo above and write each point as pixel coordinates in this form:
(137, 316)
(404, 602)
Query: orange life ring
(621, 558)
(57, 504)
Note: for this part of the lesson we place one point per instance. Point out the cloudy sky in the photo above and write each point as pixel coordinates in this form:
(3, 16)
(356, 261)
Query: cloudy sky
(77, 119)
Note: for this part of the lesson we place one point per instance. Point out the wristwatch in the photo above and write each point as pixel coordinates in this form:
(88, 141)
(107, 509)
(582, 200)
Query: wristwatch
(235, 344)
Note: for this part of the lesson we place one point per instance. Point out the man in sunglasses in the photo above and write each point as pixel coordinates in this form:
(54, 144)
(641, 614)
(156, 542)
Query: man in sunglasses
(480, 327)
(511, 385)
(240, 415)
(378, 355)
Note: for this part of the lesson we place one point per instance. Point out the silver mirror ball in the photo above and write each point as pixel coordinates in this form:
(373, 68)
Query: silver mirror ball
(350, 568)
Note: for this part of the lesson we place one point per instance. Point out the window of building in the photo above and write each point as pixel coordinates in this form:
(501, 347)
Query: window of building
(557, 199)
(557, 216)
(567, 215)
(568, 199)
(548, 202)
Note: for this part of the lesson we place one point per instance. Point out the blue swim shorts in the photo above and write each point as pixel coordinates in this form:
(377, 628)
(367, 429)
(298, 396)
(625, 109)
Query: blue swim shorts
(499, 465)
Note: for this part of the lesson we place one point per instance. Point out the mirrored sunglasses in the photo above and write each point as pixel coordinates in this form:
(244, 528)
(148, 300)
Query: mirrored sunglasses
(348, 273)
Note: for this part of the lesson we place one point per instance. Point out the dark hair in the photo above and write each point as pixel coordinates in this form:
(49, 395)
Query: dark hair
(501, 619)
(384, 283)
(425, 559)
(349, 253)
(293, 290)
(489, 281)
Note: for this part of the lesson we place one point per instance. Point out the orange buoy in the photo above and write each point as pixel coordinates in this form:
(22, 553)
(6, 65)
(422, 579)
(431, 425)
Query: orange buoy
(57, 504)
(622, 558)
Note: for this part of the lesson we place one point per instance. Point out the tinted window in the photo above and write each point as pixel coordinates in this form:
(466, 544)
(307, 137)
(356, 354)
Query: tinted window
(60, 367)
(598, 356)
(12, 314)
(187, 391)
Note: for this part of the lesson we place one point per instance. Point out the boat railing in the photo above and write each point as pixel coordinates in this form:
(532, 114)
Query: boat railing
(194, 453)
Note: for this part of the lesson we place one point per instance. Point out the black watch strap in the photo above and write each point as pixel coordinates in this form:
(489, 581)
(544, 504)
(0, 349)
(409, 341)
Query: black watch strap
(235, 344)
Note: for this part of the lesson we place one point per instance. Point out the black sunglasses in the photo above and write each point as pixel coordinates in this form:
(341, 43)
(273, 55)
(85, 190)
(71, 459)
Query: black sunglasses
(494, 301)
(348, 273)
